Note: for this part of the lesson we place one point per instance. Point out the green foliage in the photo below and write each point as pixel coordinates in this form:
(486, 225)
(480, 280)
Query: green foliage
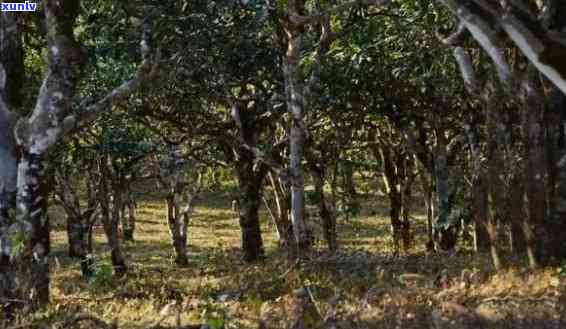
(102, 274)
(17, 243)
(214, 316)
(215, 323)
(313, 197)
(349, 208)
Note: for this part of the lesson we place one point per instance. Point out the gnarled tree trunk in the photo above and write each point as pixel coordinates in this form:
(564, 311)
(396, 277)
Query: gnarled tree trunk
(179, 217)
(251, 186)
(180, 199)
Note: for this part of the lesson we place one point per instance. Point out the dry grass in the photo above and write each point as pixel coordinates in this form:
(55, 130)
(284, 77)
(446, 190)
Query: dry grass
(362, 286)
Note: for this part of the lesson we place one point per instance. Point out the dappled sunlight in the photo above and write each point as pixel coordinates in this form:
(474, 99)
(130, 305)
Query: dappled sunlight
(363, 281)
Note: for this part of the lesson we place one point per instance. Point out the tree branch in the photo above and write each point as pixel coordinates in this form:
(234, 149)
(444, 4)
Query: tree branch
(547, 55)
(145, 72)
(454, 39)
(258, 154)
(485, 34)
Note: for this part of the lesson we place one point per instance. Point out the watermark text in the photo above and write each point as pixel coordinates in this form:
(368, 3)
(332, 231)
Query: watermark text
(18, 6)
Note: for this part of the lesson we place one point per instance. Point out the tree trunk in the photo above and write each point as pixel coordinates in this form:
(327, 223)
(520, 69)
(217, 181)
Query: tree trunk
(558, 213)
(31, 203)
(79, 232)
(295, 104)
(517, 214)
(495, 170)
(111, 204)
(178, 228)
(250, 184)
(282, 219)
(179, 210)
(534, 227)
(348, 173)
(78, 235)
(129, 220)
(445, 232)
(429, 205)
(406, 193)
(35, 135)
(327, 216)
(479, 189)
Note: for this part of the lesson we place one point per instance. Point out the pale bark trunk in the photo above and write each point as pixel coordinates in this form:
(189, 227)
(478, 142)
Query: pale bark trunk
(34, 136)
(31, 202)
(295, 104)
(180, 200)
(283, 221)
(179, 219)
(129, 213)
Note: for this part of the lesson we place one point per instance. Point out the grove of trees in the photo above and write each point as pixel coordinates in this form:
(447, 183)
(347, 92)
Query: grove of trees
(454, 109)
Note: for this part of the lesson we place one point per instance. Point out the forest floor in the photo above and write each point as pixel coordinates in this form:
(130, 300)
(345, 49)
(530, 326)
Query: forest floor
(362, 286)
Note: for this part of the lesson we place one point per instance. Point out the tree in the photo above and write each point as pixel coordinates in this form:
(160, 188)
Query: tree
(183, 182)
(25, 236)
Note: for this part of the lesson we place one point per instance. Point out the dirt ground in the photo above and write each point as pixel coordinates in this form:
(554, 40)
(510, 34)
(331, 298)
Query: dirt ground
(362, 286)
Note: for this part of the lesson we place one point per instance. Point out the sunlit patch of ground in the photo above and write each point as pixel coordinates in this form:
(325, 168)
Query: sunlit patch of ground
(362, 286)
